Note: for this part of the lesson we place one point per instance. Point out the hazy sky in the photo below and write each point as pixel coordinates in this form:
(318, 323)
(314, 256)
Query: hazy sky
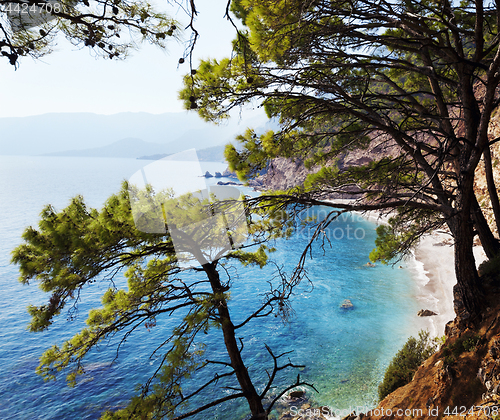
(72, 80)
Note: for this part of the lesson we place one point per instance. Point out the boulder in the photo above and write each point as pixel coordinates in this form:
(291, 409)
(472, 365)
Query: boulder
(228, 174)
(347, 304)
(297, 394)
(229, 183)
(426, 312)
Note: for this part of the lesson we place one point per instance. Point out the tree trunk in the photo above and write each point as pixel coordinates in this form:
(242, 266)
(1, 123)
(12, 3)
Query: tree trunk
(492, 190)
(251, 395)
(490, 244)
(468, 297)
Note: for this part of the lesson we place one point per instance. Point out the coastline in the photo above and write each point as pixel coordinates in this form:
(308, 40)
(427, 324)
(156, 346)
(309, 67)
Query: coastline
(435, 254)
(433, 269)
(434, 260)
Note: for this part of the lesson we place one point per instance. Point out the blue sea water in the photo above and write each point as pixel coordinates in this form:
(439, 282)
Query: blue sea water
(345, 352)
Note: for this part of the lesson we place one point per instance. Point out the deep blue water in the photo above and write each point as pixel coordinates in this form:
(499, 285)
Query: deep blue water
(344, 352)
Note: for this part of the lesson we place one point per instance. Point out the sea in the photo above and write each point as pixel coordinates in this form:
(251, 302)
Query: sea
(342, 352)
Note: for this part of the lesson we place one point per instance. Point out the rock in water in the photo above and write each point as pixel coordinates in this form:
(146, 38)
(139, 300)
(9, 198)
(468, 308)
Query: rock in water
(297, 394)
(208, 175)
(426, 312)
(347, 304)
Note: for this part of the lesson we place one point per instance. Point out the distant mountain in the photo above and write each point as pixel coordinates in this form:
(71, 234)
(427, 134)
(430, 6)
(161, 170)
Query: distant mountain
(71, 132)
(139, 149)
(210, 154)
(125, 148)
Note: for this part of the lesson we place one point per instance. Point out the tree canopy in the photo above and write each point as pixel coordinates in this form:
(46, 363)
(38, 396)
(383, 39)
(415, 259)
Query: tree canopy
(76, 247)
(418, 79)
(110, 28)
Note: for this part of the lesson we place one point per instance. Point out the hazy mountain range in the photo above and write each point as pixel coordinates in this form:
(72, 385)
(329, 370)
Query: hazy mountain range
(131, 135)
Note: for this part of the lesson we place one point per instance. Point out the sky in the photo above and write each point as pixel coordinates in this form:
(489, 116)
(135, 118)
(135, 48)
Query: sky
(73, 80)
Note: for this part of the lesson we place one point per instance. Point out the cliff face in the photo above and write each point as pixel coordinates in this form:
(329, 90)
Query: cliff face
(287, 173)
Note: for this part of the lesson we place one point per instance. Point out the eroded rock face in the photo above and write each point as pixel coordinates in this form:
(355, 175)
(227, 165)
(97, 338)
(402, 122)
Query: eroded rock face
(285, 173)
(489, 372)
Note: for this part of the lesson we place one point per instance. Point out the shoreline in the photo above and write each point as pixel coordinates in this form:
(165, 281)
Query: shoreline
(433, 269)
(436, 255)
(434, 259)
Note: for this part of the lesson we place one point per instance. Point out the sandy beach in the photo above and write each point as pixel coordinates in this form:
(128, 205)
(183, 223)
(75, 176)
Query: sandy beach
(434, 271)
(435, 254)
(433, 268)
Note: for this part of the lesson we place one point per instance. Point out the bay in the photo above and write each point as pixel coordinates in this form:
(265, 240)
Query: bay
(344, 352)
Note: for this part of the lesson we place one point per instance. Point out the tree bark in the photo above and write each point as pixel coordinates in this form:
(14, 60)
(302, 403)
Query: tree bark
(468, 296)
(251, 395)
(467, 293)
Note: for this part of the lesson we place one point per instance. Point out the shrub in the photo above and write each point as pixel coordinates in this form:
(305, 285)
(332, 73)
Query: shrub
(490, 268)
(467, 343)
(406, 362)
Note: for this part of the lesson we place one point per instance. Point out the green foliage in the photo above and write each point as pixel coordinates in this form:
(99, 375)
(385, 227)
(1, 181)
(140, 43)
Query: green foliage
(404, 230)
(73, 248)
(491, 268)
(406, 362)
(387, 243)
(110, 29)
(466, 343)
(340, 79)
(258, 258)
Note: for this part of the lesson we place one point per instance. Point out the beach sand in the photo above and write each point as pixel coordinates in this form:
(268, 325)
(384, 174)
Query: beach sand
(435, 255)
(433, 268)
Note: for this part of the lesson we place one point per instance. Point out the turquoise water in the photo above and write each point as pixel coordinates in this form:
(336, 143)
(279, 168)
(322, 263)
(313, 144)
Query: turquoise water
(344, 352)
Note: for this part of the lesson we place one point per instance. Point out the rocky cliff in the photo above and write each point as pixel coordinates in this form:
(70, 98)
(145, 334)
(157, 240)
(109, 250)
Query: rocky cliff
(287, 173)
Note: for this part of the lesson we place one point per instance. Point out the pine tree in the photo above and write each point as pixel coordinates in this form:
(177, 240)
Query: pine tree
(417, 78)
(77, 246)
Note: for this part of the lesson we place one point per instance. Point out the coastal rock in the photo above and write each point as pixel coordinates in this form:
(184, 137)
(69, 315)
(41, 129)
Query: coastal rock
(228, 183)
(284, 173)
(354, 416)
(426, 312)
(256, 183)
(297, 394)
(218, 175)
(228, 174)
(208, 175)
(347, 304)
